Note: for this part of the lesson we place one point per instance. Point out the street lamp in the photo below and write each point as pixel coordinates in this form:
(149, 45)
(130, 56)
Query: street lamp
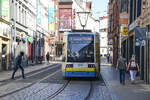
(83, 17)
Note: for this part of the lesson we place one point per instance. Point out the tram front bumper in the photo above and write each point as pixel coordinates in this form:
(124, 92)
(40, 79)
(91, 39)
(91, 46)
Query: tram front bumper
(80, 72)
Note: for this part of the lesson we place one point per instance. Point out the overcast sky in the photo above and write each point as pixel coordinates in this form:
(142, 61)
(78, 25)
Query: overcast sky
(100, 8)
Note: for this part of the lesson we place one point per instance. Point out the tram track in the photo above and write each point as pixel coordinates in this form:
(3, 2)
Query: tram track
(87, 97)
(37, 81)
(90, 91)
(59, 90)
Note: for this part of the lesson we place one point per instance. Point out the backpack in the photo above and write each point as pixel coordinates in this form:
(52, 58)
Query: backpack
(133, 64)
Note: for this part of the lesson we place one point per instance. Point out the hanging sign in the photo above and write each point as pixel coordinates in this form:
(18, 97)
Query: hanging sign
(30, 39)
(124, 31)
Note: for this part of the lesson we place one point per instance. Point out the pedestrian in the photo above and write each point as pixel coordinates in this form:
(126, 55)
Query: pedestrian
(121, 66)
(108, 57)
(47, 57)
(133, 67)
(19, 64)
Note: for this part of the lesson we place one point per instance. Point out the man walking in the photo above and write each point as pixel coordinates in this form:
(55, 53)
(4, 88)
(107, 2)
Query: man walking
(19, 64)
(121, 65)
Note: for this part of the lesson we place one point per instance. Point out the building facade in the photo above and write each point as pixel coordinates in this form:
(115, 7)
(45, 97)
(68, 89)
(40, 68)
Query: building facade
(103, 36)
(5, 37)
(118, 18)
(19, 29)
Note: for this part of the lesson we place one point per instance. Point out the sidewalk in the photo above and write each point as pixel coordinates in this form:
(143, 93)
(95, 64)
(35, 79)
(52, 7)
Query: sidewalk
(5, 75)
(138, 91)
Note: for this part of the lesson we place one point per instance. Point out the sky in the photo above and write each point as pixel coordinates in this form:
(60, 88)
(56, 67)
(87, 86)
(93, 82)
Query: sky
(99, 7)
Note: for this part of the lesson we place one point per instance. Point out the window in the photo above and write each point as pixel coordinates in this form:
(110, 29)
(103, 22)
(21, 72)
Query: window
(19, 14)
(131, 11)
(25, 18)
(139, 8)
(16, 12)
(22, 16)
(135, 7)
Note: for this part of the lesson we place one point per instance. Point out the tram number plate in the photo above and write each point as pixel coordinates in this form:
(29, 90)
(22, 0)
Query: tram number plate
(80, 65)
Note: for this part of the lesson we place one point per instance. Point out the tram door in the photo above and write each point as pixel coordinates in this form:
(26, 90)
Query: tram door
(4, 56)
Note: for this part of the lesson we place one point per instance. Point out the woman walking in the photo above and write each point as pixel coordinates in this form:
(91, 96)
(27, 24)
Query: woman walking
(133, 67)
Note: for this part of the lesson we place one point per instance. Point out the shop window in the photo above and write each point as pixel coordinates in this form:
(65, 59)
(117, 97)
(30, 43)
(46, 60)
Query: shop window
(131, 11)
(139, 8)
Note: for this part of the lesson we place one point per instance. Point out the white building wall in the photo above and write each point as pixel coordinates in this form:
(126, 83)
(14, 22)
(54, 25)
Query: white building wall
(31, 17)
(91, 22)
(103, 35)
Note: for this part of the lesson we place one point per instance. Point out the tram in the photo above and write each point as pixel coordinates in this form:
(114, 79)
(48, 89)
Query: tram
(81, 54)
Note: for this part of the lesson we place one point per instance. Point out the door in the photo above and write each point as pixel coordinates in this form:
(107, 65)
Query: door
(4, 56)
(142, 64)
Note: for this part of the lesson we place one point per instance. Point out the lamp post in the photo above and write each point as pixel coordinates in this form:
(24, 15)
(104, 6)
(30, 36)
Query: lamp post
(14, 43)
(83, 17)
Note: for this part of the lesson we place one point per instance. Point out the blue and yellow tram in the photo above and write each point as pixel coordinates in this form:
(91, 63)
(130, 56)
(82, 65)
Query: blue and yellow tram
(81, 54)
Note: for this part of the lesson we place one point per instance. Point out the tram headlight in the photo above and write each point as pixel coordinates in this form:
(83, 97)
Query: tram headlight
(69, 65)
(91, 65)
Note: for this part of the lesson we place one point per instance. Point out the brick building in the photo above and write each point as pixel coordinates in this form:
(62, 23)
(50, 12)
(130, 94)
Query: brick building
(118, 17)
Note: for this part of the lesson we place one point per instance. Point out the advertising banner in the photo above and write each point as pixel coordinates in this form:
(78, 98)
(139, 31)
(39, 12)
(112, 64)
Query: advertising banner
(39, 13)
(65, 19)
(5, 9)
(51, 18)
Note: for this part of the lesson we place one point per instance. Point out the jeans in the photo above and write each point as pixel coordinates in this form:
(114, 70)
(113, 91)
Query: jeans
(16, 68)
(122, 76)
(133, 74)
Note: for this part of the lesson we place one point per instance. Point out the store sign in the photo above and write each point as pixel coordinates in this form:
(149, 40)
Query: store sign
(65, 20)
(133, 26)
(110, 42)
(5, 9)
(124, 31)
(140, 36)
(51, 18)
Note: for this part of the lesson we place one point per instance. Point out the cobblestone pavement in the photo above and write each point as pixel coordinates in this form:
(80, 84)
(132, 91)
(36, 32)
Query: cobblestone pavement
(77, 89)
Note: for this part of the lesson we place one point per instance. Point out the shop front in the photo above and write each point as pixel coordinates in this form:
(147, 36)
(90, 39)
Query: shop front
(4, 46)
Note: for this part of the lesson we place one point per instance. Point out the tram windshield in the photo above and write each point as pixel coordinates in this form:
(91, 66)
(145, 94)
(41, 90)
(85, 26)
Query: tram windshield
(80, 48)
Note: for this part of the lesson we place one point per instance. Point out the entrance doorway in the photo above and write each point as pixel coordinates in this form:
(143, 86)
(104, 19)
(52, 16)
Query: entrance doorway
(4, 56)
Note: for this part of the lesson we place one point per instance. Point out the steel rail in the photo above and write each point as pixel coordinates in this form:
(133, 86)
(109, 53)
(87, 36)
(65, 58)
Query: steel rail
(90, 91)
(58, 91)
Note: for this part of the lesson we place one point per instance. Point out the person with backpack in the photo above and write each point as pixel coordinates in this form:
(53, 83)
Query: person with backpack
(19, 64)
(133, 67)
(121, 65)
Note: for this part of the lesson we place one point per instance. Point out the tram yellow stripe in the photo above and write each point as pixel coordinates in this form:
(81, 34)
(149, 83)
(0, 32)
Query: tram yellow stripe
(78, 69)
